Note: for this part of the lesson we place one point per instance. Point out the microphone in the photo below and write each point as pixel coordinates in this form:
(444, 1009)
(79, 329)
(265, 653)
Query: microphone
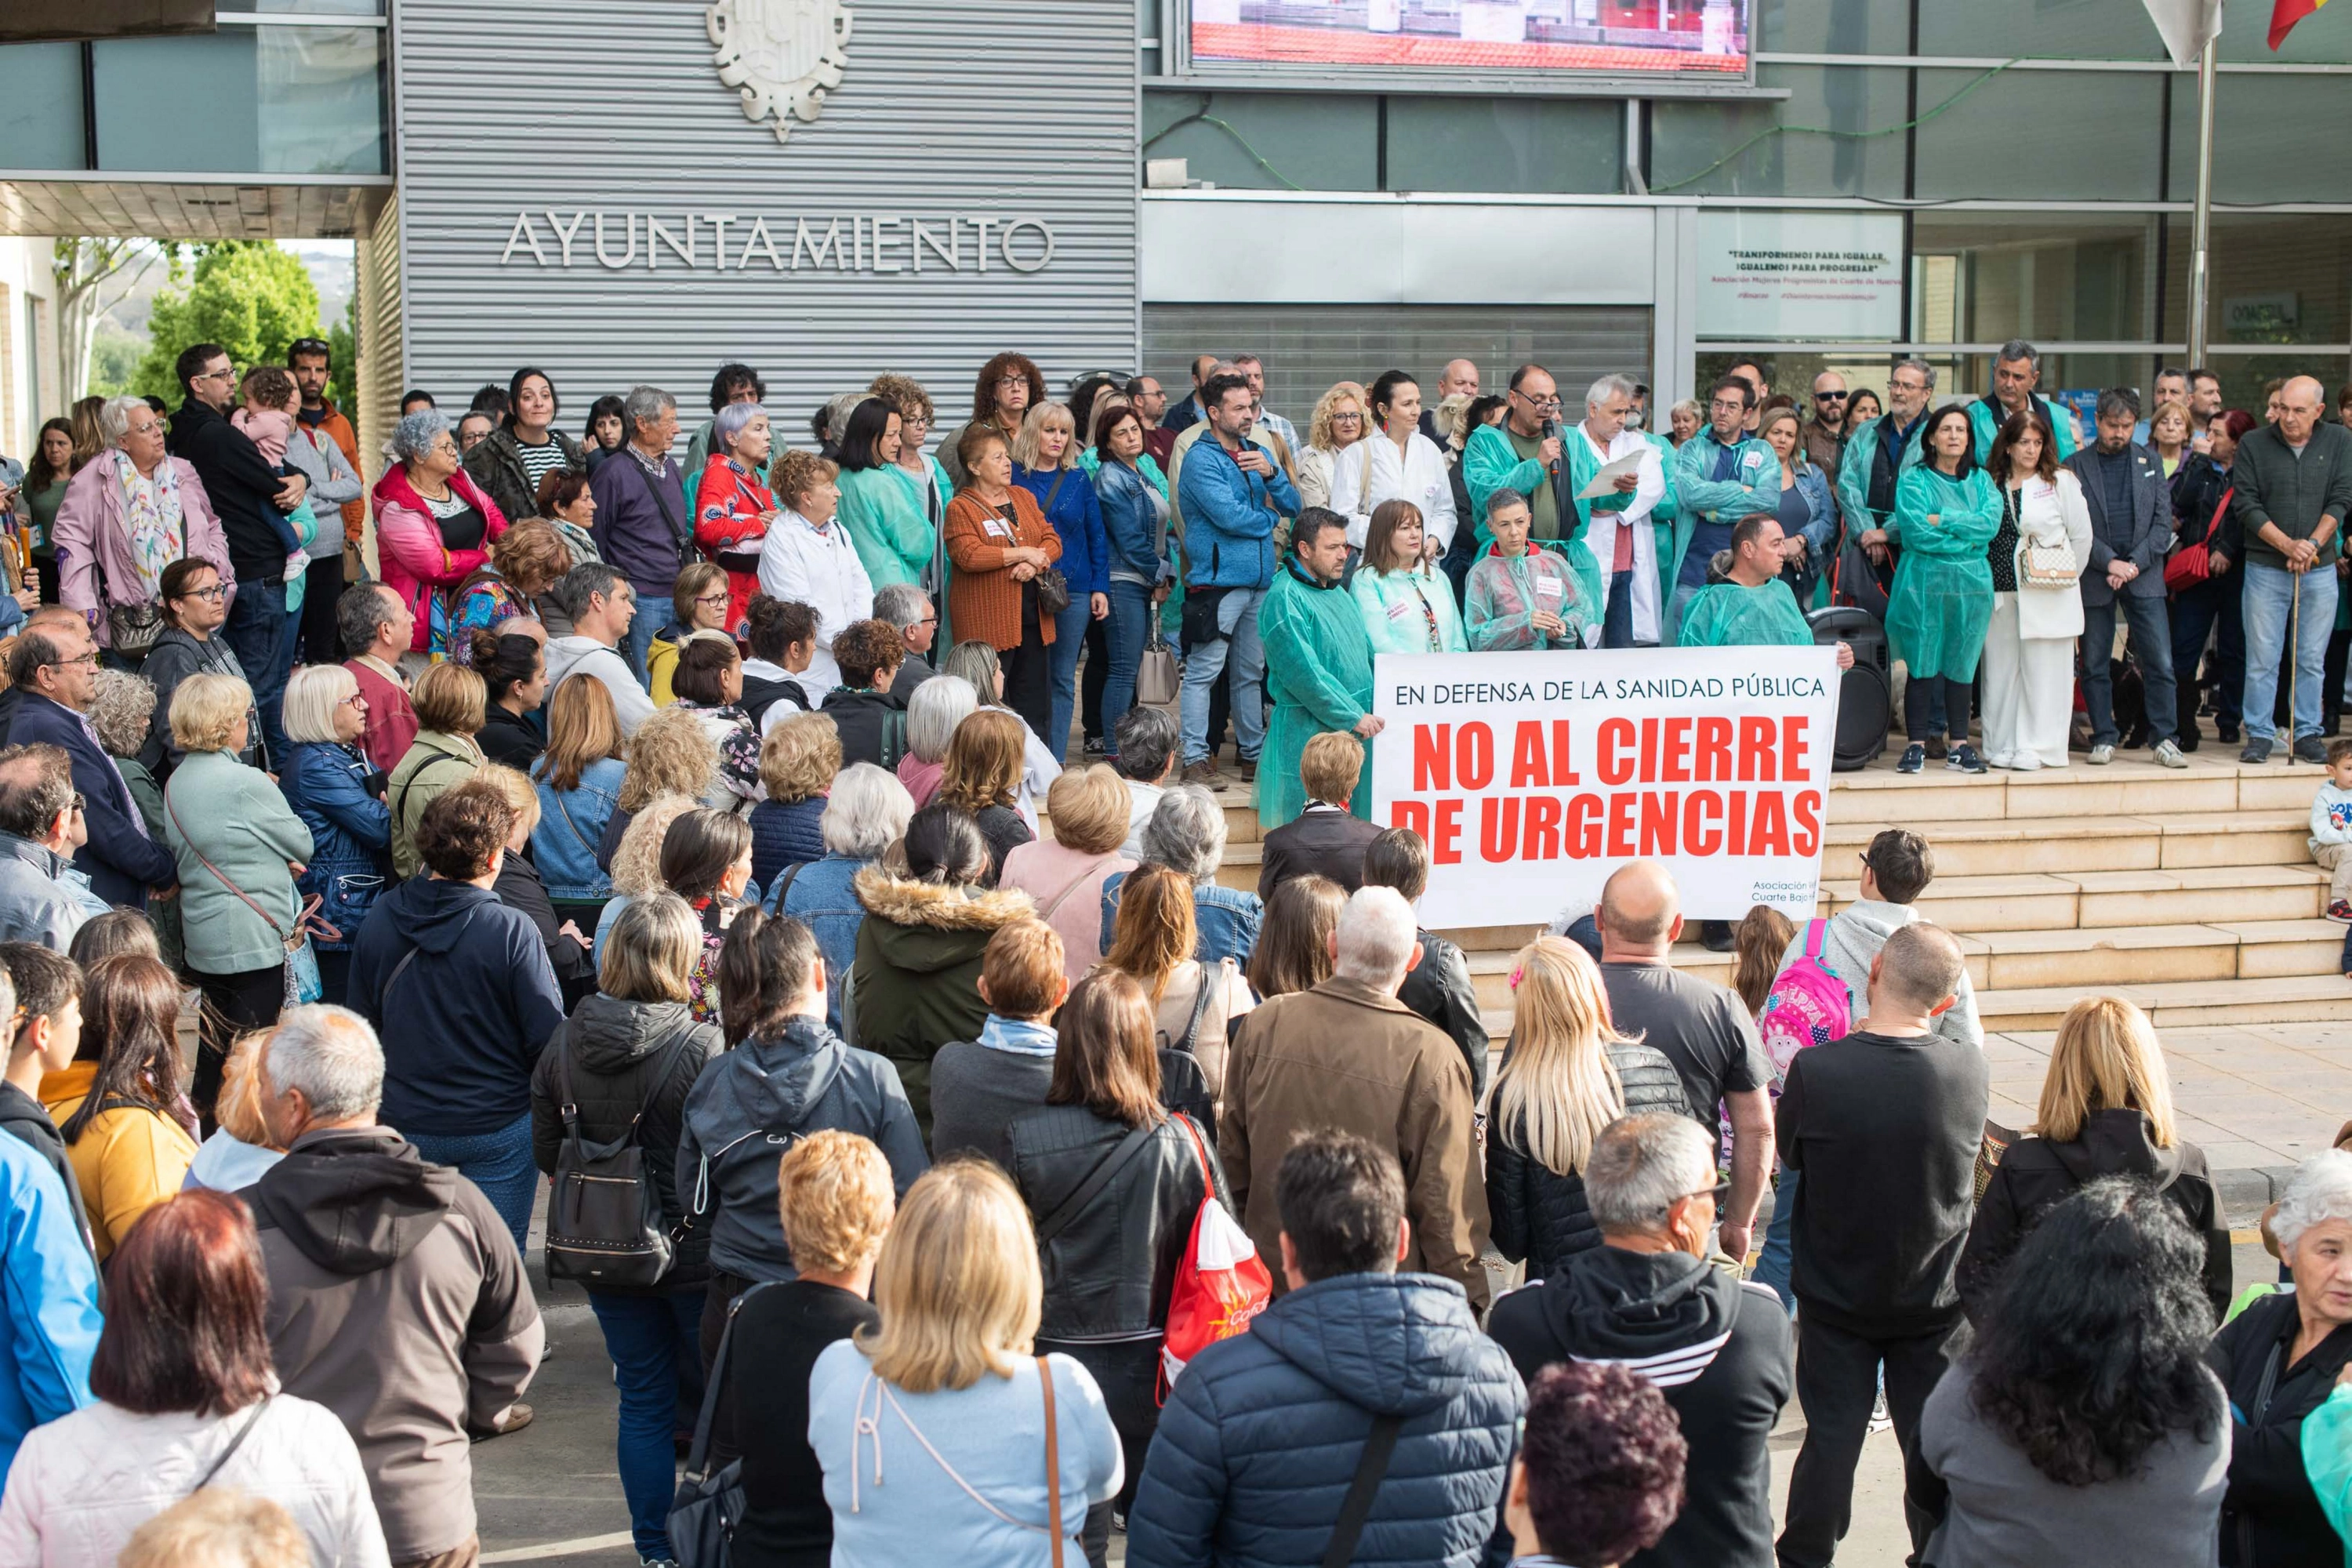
(1551, 433)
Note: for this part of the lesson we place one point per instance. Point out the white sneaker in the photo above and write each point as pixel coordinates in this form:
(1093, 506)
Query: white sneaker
(2102, 755)
(2168, 755)
(1879, 1419)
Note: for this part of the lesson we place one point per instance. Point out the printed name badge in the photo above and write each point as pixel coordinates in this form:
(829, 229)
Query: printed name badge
(997, 528)
(1546, 588)
(1399, 611)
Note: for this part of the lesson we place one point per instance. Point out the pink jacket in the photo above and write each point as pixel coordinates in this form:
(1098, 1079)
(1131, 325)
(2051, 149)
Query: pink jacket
(90, 525)
(409, 548)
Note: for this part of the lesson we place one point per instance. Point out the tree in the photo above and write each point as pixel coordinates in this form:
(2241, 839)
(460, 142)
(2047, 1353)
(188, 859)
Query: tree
(249, 296)
(91, 276)
(343, 377)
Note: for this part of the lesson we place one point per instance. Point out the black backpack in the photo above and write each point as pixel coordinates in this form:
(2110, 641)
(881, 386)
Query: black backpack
(604, 1222)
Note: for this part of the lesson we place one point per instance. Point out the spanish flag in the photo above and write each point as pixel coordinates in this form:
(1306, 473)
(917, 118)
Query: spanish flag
(2285, 14)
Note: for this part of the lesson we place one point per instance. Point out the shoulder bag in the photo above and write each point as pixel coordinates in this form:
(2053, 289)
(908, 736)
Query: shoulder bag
(1380, 1447)
(709, 1505)
(1109, 1166)
(1053, 588)
(603, 1215)
(244, 1430)
(132, 630)
(1157, 681)
(298, 971)
(2044, 564)
(2193, 563)
(684, 539)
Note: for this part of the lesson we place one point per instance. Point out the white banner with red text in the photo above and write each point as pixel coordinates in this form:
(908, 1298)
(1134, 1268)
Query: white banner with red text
(1534, 775)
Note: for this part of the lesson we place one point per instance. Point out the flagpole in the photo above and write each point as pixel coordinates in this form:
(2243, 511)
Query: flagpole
(2200, 274)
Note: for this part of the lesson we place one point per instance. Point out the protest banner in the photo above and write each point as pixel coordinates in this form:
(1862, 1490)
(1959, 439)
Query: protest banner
(1534, 775)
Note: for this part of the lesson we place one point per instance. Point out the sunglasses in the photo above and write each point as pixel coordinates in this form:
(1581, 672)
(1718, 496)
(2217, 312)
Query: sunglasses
(1830, 396)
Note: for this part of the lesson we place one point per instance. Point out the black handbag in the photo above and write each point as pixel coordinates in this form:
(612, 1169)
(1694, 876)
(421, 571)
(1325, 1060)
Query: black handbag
(604, 1217)
(708, 1506)
(1053, 588)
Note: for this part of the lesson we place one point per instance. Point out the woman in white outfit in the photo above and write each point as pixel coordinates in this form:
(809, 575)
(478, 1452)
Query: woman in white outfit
(808, 559)
(2037, 602)
(1335, 467)
(1406, 465)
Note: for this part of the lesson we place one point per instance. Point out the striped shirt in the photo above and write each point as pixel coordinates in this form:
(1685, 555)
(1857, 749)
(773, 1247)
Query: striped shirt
(539, 461)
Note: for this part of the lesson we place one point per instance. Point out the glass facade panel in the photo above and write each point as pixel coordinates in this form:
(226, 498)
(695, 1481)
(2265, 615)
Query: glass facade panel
(2041, 135)
(1313, 142)
(40, 106)
(275, 99)
(1980, 276)
(309, 7)
(2256, 158)
(1506, 144)
(2277, 278)
(2246, 36)
(2040, 29)
(1821, 146)
(1832, 26)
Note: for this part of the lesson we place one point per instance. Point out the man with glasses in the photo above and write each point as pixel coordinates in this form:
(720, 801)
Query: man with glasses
(1619, 539)
(1881, 450)
(906, 606)
(1721, 474)
(251, 502)
(57, 670)
(1150, 402)
(1523, 453)
(1824, 431)
(1883, 1129)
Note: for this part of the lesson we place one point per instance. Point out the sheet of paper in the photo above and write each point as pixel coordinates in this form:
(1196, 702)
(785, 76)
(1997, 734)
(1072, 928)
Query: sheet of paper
(1605, 481)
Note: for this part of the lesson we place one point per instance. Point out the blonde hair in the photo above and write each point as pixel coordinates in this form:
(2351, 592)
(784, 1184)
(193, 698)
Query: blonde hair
(205, 710)
(450, 699)
(1088, 808)
(957, 1283)
(1041, 417)
(2171, 405)
(1557, 1088)
(239, 1110)
(1329, 766)
(2106, 1059)
(649, 956)
(637, 862)
(1318, 424)
(800, 757)
(792, 474)
(834, 1189)
(312, 695)
(218, 1527)
(583, 728)
(671, 754)
(983, 761)
(511, 785)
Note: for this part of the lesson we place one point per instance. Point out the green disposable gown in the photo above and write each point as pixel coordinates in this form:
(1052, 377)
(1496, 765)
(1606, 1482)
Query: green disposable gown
(1732, 615)
(1398, 608)
(1983, 426)
(1505, 591)
(1319, 670)
(882, 511)
(1941, 603)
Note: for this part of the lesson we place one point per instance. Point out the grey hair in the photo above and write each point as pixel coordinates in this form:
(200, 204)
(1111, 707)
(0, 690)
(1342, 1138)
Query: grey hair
(123, 708)
(1608, 386)
(332, 1056)
(114, 418)
(900, 604)
(2117, 400)
(2320, 1190)
(728, 422)
(1502, 497)
(1640, 1165)
(645, 405)
(1913, 362)
(361, 609)
(416, 435)
(1186, 833)
(2014, 350)
(1377, 936)
(866, 811)
(837, 410)
(575, 588)
(1147, 738)
(938, 705)
(974, 663)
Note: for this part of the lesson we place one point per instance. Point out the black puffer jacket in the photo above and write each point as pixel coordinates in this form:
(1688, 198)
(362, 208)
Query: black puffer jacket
(2036, 1175)
(1540, 1215)
(628, 1059)
(2271, 1517)
(1109, 1270)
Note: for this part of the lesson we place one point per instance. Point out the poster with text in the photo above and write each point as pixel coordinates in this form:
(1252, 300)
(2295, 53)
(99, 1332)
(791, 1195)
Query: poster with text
(1534, 775)
(1804, 276)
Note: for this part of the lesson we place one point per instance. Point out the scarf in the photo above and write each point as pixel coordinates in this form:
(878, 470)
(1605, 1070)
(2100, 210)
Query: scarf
(150, 520)
(1018, 1037)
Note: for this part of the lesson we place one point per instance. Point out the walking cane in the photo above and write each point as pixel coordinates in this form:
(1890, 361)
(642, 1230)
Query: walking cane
(2294, 663)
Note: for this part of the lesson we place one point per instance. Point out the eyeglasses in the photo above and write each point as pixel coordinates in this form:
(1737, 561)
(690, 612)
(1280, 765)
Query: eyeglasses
(1715, 1194)
(711, 598)
(80, 804)
(353, 700)
(227, 373)
(1551, 402)
(1350, 418)
(217, 591)
(89, 659)
(1726, 406)
(1830, 396)
(1012, 381)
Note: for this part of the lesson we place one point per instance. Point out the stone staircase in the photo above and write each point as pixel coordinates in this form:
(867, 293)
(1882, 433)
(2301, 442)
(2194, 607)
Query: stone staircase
(2189, 892)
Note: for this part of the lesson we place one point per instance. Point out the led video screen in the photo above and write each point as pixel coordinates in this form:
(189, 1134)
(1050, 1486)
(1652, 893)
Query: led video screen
(1615, 38)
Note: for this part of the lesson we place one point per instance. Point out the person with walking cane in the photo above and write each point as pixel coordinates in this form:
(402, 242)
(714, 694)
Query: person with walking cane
(2293, 480)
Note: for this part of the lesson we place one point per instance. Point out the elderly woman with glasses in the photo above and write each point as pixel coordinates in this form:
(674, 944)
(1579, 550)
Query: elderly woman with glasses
(433, 522)
(192, 598)
(129, 512)
(732, 507)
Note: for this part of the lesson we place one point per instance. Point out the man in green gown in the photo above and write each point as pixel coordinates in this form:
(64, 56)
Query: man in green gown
(1318, 665)
(1755, 607)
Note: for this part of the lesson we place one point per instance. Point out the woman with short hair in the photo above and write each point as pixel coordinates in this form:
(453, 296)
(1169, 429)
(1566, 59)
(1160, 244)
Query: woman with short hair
(871, 721)
(1407, 604)
(865, 814)
(1187, 834)
(933, 714)
(1153, 945)
(126, 515)
(980, 776)
(192, 596)
(733, 506)
(809, 559)
(525, 562)
(797, 763)
(519, 886)
(1684, 419)
(700, 600)
(951, 1371)
(451, 705)
(578, 777)
(327, 781)
(2105, 1110)
(1567, 1073)
(884, 513)
(1000, 542)
(119, 1106)
(2082, 1425)
(782, 641)
(621, 1068)
(705, 860)
(570, 508)
(1065, 873)
(511, 462)
(185, 1390)
(708, 682)
(1111, 1266)
(1045, 464)
(432, 520)
(1294, 950)
(240, 847)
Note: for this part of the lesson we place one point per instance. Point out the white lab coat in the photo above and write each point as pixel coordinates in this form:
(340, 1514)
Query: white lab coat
(1419, 475)
(803, 564)
(1600, 537)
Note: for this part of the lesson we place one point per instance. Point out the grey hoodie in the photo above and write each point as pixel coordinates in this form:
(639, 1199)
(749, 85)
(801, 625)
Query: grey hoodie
(1851, 945)
(574, 654)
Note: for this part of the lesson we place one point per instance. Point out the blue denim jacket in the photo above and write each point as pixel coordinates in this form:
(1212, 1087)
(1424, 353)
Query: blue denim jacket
(350, 834)
(563, 845)
(820, 897)
(1228, 918)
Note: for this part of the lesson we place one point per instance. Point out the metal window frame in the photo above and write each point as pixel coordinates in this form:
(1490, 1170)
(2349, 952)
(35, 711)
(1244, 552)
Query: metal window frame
(299, 19)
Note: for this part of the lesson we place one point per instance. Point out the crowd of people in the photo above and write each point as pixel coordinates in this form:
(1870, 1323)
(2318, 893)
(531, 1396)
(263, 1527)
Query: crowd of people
(690, 860)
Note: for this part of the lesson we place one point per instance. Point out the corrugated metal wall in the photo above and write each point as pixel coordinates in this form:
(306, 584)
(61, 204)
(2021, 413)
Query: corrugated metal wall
(375, 323)
(1004, 109)
(1308, 347)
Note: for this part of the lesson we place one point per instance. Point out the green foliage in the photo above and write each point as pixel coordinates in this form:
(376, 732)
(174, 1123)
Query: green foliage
(248, 296)
(113, 360)
(343, 375)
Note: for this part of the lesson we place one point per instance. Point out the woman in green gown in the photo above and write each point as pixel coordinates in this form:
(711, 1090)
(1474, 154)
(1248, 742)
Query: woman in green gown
(1945, 513)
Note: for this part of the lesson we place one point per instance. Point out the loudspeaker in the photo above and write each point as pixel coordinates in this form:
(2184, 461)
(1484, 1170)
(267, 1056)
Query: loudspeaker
(1866, 693)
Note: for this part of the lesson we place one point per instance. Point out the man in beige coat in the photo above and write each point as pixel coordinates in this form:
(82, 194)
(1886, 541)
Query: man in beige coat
(1348, 1054)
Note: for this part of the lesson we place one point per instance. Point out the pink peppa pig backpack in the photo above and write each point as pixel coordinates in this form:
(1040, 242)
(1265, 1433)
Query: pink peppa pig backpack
(1808, 1006)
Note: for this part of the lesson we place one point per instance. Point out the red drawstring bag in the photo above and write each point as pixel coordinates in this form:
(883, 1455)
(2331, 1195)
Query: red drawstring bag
(1220, 1286)
(2193, 563)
